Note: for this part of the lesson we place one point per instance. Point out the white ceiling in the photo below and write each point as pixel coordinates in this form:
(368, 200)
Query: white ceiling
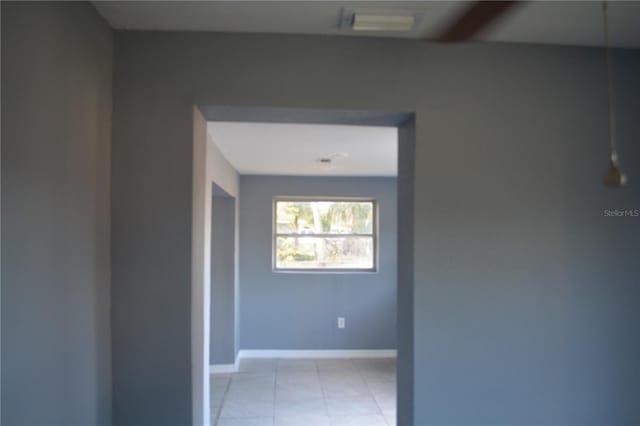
(553, 22)
(294, 149)
(569, 22)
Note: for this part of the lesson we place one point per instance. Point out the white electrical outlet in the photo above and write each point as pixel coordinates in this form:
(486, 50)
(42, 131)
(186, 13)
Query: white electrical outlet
(340, 322)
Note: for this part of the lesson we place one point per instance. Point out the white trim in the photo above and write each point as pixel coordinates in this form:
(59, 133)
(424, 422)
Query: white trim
(321, 353)
(201, 187)
(225, 368)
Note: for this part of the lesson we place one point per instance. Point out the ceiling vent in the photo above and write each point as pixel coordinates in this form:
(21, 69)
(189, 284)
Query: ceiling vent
(377, 20)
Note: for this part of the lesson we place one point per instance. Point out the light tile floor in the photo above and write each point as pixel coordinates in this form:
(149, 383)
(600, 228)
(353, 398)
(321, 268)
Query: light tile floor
(306, 392)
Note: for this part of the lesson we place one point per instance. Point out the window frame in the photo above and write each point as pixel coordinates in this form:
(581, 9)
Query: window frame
(374, 234)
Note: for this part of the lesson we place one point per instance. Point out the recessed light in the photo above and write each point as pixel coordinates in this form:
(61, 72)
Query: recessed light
(328, 162)
(325, 163)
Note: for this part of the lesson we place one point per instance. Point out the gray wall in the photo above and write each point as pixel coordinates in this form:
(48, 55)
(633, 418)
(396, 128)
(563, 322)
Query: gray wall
(525, 297)
(224, 299)
(405, 359)
(223, 278)
(56, 136)
(299, 310)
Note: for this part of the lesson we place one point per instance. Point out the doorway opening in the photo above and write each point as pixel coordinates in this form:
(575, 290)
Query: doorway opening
(307, 311)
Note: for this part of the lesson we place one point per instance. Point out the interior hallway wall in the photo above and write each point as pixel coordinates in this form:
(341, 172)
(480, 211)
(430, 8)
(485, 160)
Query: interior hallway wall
(297, 310)
(223, 277)
(56, 139)
(525, 293)
(227, 181)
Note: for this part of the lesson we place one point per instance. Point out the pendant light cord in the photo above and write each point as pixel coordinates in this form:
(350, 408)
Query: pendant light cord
(612, 119)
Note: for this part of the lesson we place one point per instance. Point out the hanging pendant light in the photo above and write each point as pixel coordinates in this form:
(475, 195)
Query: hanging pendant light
(614, 178)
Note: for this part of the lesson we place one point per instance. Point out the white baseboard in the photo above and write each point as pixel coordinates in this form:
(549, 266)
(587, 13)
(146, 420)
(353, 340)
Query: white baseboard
(225, 368)
(285, 353)
(331, 353)
(222, 368)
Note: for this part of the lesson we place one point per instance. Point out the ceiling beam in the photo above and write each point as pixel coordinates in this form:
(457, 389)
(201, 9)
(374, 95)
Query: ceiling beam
(477, 17)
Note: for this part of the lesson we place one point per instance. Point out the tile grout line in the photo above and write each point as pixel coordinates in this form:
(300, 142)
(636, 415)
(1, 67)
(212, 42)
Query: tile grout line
(224, 397)
(375, 400)
(377, 403)
(324, 395)
(275, 389)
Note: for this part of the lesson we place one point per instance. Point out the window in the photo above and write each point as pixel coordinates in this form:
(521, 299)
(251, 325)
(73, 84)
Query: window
(325, 234)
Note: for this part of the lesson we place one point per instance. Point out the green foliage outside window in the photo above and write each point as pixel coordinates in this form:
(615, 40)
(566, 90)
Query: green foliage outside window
(325, 234)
